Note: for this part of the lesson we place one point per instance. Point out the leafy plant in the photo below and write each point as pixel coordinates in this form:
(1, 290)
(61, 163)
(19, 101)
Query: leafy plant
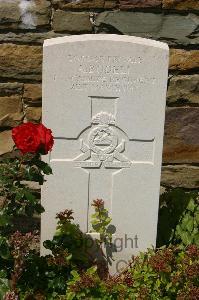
(72, 251)
(187, 231)
(100, 221)
(167, 273)
(19, 201)
(17, 197)
(178, 218)
(70, 242)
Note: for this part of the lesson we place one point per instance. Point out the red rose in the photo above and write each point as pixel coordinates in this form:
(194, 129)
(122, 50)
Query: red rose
(26, 137)
(32, 138)
(46, 138)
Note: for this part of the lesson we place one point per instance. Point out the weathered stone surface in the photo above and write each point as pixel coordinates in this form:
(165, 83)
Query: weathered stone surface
(72, 21)
(183, 89)
(182, 60)
(11, 120)
(175, 29)
(20, 61)
(181, 140)
(7, 143)
(81, 4)
(110, 4)
(11, 88)
(11, 111)
(33, 114)
(24, 14)
(9, 14)
(32, 94)
(10, 104)
(184, 176)
(181, 4)
(28, 37)
(101, 95)
(128, 4)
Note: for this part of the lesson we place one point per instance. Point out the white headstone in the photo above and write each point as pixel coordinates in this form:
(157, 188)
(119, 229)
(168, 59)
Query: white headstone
(104, 99)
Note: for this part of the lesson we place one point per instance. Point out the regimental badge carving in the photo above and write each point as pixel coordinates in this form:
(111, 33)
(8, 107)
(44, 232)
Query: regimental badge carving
(103, 148)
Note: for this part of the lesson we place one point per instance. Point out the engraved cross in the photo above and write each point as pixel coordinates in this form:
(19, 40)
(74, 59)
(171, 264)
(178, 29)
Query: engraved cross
(104, 150)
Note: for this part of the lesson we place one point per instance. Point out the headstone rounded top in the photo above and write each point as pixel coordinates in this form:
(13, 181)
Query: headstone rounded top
(105, 37)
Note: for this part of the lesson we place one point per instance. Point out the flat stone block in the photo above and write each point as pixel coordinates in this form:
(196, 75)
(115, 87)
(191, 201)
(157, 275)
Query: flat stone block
(85, 4)
(20, 62)
(11, 113)
(183, 89)
(32, 95)
(33, 114)
(183, 176)
(36, 38)
(174, 29)
(71, 21)
(128, 4)
(181, 4)
(181, 139)
(7, 143)
(11, 88)
(183, 60)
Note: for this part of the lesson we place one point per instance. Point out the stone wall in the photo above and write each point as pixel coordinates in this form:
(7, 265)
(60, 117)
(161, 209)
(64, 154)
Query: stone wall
(24, 24)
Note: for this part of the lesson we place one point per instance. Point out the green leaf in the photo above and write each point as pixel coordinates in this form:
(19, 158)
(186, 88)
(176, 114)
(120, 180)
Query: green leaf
(186, 238)
(94, 222)
(92, 270)
(108, 219)
(4, 219)
(4, 248)
(75, 274)
(39, 208)
(44, 167)
(197, 217)
(29, 196)
(19, 195)
(70, 296)
(191, 206)
(35, 175)
(190, 224)
(95, 215)
(196, 239)
(69, 257)
(185, 221)
(47, 170)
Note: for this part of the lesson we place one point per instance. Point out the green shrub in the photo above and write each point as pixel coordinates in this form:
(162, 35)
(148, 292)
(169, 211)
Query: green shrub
(178, 218)
(168, 273)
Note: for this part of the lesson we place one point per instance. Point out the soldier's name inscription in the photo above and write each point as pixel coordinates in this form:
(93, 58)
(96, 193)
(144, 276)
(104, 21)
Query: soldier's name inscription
(106, 72)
